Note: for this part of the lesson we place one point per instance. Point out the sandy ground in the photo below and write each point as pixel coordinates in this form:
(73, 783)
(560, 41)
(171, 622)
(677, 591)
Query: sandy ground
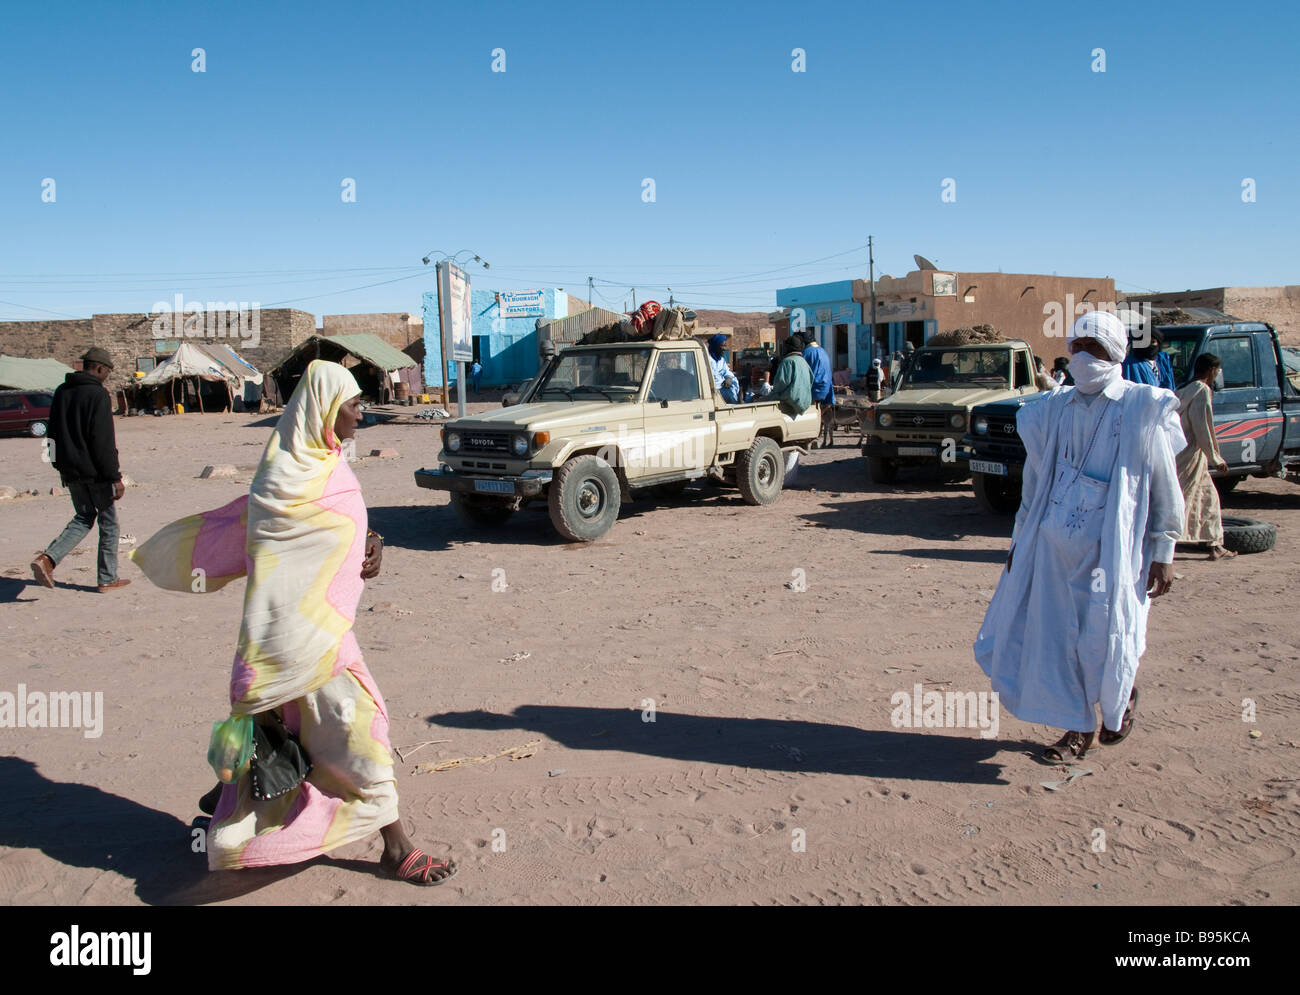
(773, 715)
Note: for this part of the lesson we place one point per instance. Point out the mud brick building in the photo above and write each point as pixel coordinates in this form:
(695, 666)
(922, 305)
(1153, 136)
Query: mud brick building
(131, 340)
(1279, 306)
(1032, 306)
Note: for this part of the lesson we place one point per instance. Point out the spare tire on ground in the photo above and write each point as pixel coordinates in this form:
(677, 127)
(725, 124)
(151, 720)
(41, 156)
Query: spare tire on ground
(1247, 535)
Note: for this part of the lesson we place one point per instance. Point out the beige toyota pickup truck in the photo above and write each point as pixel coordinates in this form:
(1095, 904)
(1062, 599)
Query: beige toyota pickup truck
(925, 419)
(601, 422)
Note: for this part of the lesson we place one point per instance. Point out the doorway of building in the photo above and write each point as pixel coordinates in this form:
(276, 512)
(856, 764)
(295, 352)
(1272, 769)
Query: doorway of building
(916, 333)
(841, 351)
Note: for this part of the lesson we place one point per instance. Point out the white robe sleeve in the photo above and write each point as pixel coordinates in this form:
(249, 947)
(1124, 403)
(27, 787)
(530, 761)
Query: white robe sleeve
(1166, 510)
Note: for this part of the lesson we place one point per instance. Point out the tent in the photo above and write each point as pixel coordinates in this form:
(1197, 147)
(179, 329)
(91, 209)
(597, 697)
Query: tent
(17, 373)
(378, 366)
(236, 381)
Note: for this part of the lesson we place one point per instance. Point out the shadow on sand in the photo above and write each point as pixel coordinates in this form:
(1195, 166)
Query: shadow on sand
(81, 826)
(958, 756)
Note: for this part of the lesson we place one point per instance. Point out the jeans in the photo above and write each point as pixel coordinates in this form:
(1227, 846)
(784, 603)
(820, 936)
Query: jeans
(90, 501)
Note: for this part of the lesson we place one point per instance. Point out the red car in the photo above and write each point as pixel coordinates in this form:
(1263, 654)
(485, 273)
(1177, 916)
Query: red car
(25, 411)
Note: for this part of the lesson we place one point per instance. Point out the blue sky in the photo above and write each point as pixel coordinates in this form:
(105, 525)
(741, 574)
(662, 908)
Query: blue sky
(225, 185)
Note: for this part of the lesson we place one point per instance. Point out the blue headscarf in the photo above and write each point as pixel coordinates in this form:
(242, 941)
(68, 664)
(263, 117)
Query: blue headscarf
(716, 343)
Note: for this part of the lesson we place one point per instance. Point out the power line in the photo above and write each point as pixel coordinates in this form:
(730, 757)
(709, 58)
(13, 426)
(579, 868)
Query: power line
(27, 307)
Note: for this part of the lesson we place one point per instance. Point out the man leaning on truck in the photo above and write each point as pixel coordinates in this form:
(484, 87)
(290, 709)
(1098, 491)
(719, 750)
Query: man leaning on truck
(792, 382)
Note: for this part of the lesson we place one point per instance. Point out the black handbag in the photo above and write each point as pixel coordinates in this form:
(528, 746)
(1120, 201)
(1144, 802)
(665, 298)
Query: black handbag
(279, 762)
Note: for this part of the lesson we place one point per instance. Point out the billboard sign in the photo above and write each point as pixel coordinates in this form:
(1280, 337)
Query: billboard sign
(457, 321)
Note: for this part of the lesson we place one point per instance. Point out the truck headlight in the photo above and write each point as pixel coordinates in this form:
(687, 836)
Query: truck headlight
(453, 442)
(884, 419)
(519, 444)
(980, 425)
(957, 421)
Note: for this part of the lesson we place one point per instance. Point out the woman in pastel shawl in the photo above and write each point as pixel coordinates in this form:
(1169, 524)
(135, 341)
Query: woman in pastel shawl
(300, 537)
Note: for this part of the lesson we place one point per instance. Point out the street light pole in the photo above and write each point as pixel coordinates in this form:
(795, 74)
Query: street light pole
(871, 270)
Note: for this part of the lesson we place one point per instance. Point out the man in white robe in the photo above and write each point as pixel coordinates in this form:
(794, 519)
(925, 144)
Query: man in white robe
(1101, 510)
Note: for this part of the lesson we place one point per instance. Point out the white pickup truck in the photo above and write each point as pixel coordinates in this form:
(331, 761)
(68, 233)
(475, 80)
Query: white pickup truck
(601, 422)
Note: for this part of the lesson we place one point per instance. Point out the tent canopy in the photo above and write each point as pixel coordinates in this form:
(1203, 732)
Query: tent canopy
(215, 362)
(17, 373)
(368, 348)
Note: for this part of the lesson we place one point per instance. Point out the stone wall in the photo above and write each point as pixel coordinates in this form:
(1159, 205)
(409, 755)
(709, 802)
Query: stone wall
(130, 337)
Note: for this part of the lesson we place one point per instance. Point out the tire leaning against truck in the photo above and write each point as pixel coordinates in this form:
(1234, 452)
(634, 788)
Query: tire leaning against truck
(584, 498)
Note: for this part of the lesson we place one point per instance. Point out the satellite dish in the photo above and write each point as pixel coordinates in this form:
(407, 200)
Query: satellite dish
(924, 263)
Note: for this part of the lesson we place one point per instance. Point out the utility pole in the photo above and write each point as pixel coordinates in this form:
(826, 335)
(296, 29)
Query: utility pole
(634, 298)
(871, 270)
(588, 291)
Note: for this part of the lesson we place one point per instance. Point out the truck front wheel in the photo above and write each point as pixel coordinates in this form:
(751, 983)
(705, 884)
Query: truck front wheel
(997, 495)
(584, 498)
(760, 472)
(882, 470)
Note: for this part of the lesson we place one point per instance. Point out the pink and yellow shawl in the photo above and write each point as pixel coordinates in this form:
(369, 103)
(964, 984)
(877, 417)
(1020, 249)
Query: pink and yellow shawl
(299, 537)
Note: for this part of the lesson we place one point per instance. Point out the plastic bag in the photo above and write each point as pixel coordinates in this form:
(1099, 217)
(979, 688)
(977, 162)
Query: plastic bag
(231, 747)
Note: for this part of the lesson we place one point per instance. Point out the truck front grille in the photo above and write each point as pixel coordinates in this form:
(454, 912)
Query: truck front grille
(1001, 441)
(475, 441)
(904, 420)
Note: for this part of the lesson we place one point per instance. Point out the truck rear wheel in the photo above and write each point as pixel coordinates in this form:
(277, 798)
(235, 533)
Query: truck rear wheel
(997, 495)
(482, 512)
(584, 498)
(882, 470)
(760, 472)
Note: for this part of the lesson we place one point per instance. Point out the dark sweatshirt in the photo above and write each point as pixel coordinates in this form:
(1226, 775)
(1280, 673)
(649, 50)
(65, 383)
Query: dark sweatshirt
(81, 428)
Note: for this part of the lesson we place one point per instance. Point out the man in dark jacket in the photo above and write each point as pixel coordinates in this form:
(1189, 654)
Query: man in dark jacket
(84, 451)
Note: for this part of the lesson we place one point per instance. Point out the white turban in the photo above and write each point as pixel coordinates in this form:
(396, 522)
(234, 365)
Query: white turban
(1107, 329)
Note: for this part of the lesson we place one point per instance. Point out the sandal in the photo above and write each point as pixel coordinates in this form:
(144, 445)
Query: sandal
(418, 872)
(1108, 738)
(1076, 744)
(1221, 553)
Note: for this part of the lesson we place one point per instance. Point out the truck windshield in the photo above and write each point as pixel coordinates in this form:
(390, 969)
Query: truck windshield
(1181, 347)
(614, 374)
(959, 368)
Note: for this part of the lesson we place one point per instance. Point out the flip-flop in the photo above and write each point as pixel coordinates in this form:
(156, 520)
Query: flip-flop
(1076, 744)
(1108, 738)
(417, 872)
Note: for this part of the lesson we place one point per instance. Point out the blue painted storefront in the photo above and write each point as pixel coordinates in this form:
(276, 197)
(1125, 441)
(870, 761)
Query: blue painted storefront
(507, 347)
(826, 305)
(822, 306)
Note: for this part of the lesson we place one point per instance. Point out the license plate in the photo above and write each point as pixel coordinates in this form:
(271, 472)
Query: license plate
(980, 466)
(916, 450)
(494, 486)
